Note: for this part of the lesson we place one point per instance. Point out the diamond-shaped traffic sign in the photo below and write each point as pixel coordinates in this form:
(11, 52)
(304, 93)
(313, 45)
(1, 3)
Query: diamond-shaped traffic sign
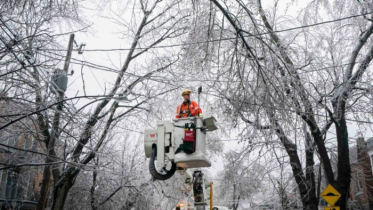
(330, 195)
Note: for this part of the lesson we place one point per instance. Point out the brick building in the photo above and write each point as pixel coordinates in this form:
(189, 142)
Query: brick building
(18, 185)
(361, 188)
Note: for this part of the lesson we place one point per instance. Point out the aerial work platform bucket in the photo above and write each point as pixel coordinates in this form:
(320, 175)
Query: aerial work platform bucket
(181, 142)
(198, 158)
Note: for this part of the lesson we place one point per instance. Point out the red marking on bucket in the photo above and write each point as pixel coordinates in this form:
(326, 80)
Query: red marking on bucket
(189, 135)
(152, 135)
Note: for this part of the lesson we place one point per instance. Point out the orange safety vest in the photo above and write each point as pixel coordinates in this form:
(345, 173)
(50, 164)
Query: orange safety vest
(188, 110)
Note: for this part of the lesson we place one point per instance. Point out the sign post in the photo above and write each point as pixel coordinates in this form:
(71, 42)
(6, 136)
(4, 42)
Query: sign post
(331, 196)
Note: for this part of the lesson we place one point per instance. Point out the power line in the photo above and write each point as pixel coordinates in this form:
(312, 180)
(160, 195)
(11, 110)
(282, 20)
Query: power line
(112, 70)
(16, 42)
(109, 69)
(283, 109)
(90, 69)
(216, 40)
(360, 121)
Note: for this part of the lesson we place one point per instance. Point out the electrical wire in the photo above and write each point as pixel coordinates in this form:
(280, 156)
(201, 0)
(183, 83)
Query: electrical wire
(283, 109)
(44, 77)
(109, 69)
(112, 70)
(279, 31)
(90, 69)
(325, 22)
(216, 40)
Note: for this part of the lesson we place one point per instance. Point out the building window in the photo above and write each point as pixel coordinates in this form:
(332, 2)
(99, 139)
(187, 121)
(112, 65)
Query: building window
(358, 182)
(27, 184)
(12, 189)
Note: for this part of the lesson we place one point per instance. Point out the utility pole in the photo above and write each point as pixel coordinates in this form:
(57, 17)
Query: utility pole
(69, 52)
(60, 93)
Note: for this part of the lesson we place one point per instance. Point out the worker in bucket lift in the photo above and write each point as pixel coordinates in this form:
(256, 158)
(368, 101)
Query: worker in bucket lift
(187, 108)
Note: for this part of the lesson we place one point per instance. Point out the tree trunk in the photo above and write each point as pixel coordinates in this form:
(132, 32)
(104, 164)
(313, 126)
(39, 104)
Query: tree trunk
(44, 188)
(60, 194)
(92, 191)
(312, 202)
(235, 204)
(307, 192)
(344, 168)
(51, 155)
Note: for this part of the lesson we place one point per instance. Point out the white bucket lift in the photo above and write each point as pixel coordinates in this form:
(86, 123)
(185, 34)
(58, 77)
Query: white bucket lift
(167, 144)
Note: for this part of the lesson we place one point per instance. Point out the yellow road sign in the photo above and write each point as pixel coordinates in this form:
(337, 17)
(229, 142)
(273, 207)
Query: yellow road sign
(331, 195)
(332, 208)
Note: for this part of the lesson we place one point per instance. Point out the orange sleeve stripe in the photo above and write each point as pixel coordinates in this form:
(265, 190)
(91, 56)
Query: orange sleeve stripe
(177, 112)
